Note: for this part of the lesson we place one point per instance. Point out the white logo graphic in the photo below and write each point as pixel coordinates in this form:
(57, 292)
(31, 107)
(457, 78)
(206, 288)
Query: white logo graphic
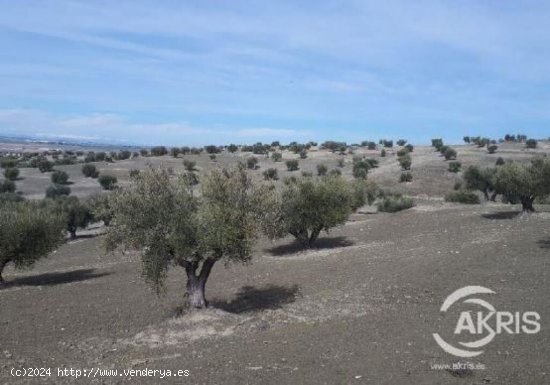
(481, 323)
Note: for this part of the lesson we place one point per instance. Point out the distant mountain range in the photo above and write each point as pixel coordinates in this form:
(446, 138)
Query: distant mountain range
(61, 141)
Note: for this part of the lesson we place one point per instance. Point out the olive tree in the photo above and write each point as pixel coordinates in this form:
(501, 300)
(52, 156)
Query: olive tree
(523, 183)
(306, 206)
(482, 180)
(170, 226)
(77, 214)
(28, 232)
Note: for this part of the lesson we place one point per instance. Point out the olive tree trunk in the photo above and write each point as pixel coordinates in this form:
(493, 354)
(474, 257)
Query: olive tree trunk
(307, 239)
(527, 204)
(196, 282)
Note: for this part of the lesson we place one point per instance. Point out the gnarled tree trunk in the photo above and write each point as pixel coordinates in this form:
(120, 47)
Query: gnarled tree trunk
(196, 283)
(527, 204)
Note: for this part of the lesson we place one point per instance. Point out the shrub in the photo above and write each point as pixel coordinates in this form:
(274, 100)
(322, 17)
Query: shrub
(189, 164)
(57, 190)
(466, 139)
(371, 145)
(29, 232)
(457, 185)
(531, 143)
(212, 157)
(405, 162)
(492, 148)
(100, 156)
(308, 206)
(45, 165)
(169, 226)
(303, 154)
(523, 183)
(402, 152)
(101, 208)
(108, 182)
(340, 162)
(190, 178)
(360, 169)
(450, 153)
(462, 196)
(394, 203)
(499, 161)
(292, 165)
(8, 163)
(60, 177)
(252, 163)
(334, 172)
(133, 173)
(211, 149)
(406, 177)
(276, 156)
(7, 186)
(144, 152)
(322, 170)
(454, 166)
(401, 142)
(11, 173)
(409, 147)
(232, 148)
(383, 153)
(307, 174)
(90, 171)
(271, 174)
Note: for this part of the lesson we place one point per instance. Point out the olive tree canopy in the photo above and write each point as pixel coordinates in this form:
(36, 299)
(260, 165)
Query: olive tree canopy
(170, 226)
(28, 232)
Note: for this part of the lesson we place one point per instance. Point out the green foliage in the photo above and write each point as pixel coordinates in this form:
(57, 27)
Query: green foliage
(383, 153)
(531, 143)
(101, 209)
(499, 161)
(90, 171)
(392, 203)
(307, 206)
(437, 143)
(11, 173)
(303, 154)
(144, 152)
(482, 180)
(212, 157)
(492, 148)
(45, 165)
(169, 226)
(191, 178)
(77, 214)
(108, 182)
(276, 156)
(401, 142)
(455, 166)
(8, 163)
(60, 177)
(7, 186)
(405, 162)
(322, 169)
(406, 177)
(334, 172)
(57, 190)
(360, 169)
(409, 147)
(292, 165)
(524, 183)
(28, 232)
(232, 148)
(189, 164)
(402, 152)
(340, 162)
(462, 196)
(211, 149)
(271, 174)
(307, 174)
(175, 151)
(252, 163)
(466, 139)
(159, 151)
(450, 153)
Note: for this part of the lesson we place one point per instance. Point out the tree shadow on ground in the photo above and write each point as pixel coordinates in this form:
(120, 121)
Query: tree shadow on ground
(544, 243)
(502, 215)
(321, 243)
(250, 298)
(51, 279)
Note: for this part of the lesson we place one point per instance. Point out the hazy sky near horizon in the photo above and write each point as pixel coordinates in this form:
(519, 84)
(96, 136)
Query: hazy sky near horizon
(214, 72)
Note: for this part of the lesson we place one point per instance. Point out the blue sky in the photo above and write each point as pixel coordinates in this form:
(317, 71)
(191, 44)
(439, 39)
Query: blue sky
(201, 72)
